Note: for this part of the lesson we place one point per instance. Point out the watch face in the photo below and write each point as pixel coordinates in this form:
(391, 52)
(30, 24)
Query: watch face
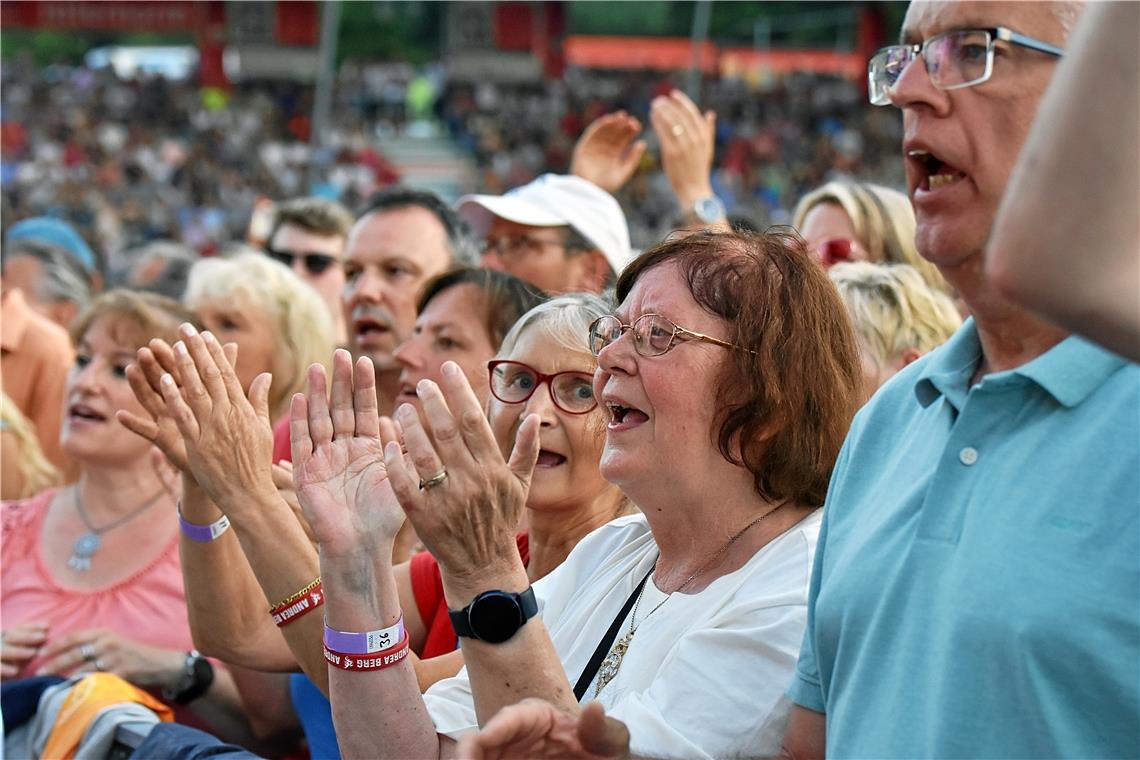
(495, 617)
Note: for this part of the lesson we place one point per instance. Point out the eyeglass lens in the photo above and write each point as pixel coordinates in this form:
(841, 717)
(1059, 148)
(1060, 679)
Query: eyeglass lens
(954, 59)
(514, 383)
(652, 334)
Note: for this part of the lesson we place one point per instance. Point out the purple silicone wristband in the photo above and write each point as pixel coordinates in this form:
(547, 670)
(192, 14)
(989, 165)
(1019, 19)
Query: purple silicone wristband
(367, 642)
(203, 534)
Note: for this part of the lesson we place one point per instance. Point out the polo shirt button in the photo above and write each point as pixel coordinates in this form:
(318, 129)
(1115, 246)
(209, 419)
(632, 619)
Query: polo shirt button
(968, 455)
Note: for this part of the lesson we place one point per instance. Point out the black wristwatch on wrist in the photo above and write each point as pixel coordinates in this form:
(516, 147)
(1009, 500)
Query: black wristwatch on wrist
(494, 616)
(195, 680)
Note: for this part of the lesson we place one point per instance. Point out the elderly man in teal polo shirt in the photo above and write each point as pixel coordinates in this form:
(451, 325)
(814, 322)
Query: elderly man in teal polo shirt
(976, 591)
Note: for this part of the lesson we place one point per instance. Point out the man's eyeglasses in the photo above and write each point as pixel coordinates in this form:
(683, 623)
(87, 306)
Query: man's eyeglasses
(519, 246)
(315, 263)
(653, 335)
(515, 382)
(960, 58)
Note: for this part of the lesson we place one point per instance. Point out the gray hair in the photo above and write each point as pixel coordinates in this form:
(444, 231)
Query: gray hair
(565, 319)
(64, 278)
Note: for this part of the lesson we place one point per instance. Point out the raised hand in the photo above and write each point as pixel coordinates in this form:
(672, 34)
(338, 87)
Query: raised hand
(687, 139)
(537, 730)
(228, 438)
(464, 500)
(338, 463)
(606, 153)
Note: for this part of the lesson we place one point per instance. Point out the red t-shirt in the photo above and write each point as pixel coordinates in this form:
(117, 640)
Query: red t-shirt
(427, 588)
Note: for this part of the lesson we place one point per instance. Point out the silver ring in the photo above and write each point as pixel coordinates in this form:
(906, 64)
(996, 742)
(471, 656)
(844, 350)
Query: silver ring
(678, 130)
(98, 664)
(434, 480)
(87, 651)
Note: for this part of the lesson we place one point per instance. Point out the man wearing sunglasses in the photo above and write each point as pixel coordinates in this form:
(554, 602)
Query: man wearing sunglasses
(976, 588)
(308, 236)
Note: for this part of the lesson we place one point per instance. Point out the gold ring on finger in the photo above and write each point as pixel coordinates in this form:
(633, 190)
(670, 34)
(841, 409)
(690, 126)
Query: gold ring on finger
(434, 480)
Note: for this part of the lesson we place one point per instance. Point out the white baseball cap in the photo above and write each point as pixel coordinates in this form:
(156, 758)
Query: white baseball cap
(555, 200)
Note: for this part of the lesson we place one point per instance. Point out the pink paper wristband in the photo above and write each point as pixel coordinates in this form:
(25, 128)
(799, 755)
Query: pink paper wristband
(366, 642)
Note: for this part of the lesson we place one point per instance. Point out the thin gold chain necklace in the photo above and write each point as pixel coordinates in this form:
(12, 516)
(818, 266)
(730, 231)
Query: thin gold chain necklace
(612, 664)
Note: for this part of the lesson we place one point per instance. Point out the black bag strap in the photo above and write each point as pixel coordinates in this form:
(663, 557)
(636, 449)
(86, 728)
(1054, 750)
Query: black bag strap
(607, 641)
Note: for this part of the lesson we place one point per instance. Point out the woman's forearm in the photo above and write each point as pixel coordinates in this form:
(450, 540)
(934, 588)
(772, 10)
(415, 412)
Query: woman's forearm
(225, 603)
(524, 666)
(377, 713)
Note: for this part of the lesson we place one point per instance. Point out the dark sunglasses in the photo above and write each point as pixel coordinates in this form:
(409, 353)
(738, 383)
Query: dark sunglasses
(315, 263)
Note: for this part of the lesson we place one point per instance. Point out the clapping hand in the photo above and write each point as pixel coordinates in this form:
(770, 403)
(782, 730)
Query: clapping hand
(338, 465)
(607, 153)
(463, 499)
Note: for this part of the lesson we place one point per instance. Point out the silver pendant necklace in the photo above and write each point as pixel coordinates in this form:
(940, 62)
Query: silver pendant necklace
(88, 543)
(612, 664)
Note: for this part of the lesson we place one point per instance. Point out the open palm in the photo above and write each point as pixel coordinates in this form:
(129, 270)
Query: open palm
(344, 490)
(338, 461)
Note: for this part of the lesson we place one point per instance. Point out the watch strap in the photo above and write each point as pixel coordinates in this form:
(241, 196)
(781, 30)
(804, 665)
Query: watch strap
(195, 681)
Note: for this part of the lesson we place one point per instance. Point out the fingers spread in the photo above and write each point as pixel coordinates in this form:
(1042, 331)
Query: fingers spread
(183, 415)
(427, 462)
(197, 398)
(465, 408)
(367, 410)
(144, 428)
(259, 396)
(320, 424)
(300, 442)
(404, 483)
(204, 364)
(524, 455)
(341, 403)
(224, 367)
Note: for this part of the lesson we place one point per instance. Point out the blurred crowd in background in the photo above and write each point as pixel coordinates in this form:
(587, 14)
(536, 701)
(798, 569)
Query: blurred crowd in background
(130, 161)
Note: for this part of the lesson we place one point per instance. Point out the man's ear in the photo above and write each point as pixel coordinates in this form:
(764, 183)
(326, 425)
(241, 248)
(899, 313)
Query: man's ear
(593, 271)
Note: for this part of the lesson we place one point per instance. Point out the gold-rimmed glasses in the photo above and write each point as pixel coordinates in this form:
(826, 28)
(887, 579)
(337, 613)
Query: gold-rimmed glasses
(653, 335)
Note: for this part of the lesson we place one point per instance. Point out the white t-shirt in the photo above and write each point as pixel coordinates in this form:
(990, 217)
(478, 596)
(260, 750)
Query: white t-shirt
(705, 674)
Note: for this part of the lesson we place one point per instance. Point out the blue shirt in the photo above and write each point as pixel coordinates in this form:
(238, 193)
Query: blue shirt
(976, 589)
(315, 713)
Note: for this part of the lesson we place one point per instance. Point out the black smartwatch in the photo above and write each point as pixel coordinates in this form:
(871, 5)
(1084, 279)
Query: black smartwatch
(196, 678)
(494, 616)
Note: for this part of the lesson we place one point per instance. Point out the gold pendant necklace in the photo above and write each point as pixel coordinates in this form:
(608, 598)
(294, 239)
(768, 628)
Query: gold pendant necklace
(612, 664)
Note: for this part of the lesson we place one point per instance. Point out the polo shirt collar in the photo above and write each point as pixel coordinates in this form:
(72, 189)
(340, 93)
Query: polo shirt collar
(1069, 372)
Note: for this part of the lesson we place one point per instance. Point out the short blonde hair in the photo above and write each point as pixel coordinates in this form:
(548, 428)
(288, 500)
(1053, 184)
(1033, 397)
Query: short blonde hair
(883, 220)
(301, 320)
(893, 309)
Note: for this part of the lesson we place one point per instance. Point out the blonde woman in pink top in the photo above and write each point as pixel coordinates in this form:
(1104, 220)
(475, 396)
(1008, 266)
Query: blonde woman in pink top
(91, 577)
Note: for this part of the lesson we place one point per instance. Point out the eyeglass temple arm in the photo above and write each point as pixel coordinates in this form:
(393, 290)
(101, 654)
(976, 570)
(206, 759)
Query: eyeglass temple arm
(1008, 35)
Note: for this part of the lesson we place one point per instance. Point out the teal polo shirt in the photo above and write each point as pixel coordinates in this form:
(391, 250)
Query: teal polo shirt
(976, 589)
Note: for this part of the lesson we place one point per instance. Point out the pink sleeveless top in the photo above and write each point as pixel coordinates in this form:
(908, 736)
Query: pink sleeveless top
(148, 607)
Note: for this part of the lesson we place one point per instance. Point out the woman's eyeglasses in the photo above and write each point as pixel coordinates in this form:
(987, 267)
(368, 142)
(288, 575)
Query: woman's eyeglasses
(653, 335)
(315, 263)
(835, 250)
(515, 382)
